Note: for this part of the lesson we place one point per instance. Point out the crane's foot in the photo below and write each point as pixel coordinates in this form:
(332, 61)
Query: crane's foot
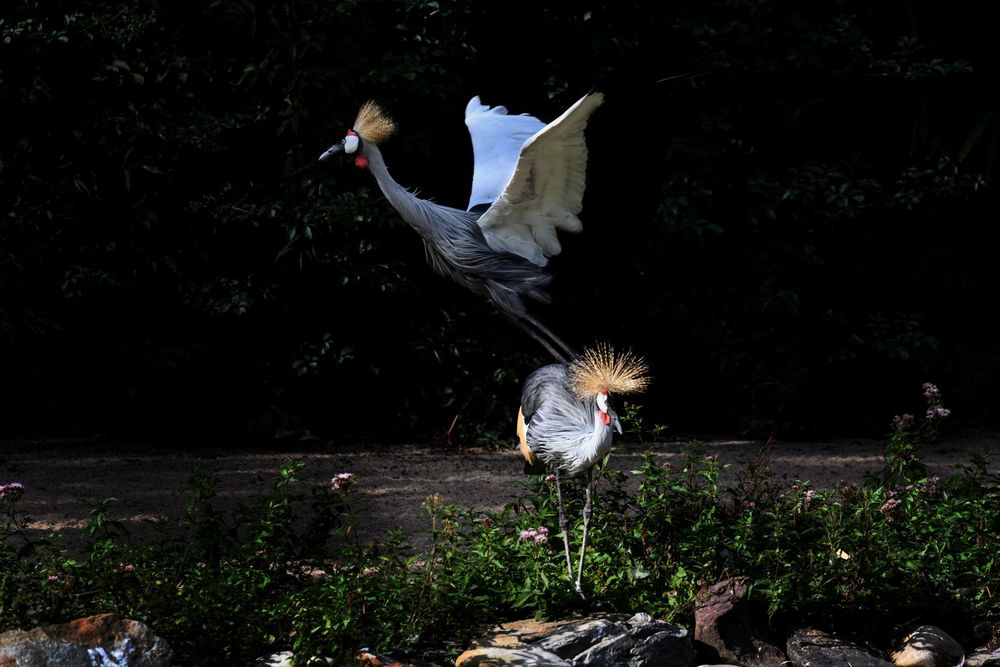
(579, 590)
(444, 439)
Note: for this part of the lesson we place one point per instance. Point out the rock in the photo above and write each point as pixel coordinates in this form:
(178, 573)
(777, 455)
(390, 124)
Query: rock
(659, 643)
(606, 640)
(983, 657)
(722, 621)
(665, 648)
(95, 641)
(282, 659)
(287, 659)
(528, 631)
(815, 648)
(611, 651)
(646, 642)
(573, 639)
(988, 652)
(370, 659)
(499, 656)
(928, 646)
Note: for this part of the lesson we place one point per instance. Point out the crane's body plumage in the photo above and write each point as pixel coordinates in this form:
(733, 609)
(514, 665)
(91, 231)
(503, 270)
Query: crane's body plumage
(563, 431)
(530, 178)
(455, 246)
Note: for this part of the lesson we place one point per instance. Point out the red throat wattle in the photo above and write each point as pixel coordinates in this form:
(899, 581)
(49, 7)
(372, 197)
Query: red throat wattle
(361, 162)
(606, 418)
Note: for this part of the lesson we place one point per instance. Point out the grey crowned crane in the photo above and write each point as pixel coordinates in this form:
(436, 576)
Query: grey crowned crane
(528, 182)
(566, 420)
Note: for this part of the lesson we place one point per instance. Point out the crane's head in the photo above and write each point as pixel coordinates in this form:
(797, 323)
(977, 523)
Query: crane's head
(602, 372)
(373, 126)
(606, 410)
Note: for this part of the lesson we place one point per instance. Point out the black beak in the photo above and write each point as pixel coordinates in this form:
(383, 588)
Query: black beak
(333, 150)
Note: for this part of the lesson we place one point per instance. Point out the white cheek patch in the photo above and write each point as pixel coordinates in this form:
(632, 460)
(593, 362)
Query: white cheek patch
(602, 402)
(351, 142)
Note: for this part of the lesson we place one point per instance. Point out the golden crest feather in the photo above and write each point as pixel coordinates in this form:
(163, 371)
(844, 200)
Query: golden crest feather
(373, 123)
(601, 367)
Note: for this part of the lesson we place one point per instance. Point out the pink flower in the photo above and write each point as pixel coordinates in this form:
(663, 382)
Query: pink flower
(343, 481)
(938, 412)
(889, 507)
(11, 491)
(806, 502)
(538, 535)
(935, 406)
(128, 568)
(550, 478)
(487, 522)
(931, 485)
(53, 578)
(902, 422)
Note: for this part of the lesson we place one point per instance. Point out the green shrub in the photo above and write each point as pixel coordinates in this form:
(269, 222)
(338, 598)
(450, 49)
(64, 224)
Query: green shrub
(295, 569)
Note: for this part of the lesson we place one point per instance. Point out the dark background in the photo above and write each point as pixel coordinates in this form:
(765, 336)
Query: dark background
(790, 212)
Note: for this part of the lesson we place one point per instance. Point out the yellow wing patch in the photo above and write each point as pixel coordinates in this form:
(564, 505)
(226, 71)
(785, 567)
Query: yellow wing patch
(526, 452)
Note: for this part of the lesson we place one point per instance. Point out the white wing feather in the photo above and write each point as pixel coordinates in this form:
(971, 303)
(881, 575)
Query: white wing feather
(545, 191)
(496, 141)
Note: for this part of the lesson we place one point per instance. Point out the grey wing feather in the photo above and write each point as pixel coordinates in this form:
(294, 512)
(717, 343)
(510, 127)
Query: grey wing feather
(541, 384)
(560, 429)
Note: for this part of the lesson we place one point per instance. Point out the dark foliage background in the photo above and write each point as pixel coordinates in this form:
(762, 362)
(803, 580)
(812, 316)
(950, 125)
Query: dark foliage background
(790, 212)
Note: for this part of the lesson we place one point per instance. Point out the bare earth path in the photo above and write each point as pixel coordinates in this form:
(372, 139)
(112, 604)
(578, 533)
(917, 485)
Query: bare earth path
(63, 479)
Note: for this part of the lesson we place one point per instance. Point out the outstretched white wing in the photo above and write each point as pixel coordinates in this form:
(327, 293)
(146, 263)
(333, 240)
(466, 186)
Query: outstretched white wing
(545, 191)
(496, 140)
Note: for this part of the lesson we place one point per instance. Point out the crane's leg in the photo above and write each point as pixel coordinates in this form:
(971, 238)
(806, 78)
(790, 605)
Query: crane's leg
(564, 526)
(534, 334)
(570, 352)
(510, 304)
(586, 525)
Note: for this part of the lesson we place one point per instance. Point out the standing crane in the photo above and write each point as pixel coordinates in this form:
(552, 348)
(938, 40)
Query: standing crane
(566, 419)
(527, 183)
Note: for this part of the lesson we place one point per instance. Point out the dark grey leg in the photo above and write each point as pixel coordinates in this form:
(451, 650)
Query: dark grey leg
(534, 334)
(554, 338)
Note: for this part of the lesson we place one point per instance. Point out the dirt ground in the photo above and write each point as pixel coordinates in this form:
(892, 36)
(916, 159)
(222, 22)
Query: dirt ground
(62, 479)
